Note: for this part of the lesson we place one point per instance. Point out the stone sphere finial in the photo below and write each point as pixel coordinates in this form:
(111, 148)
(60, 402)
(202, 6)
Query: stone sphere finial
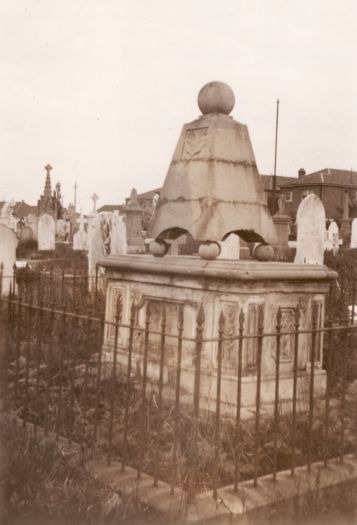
(216, 97)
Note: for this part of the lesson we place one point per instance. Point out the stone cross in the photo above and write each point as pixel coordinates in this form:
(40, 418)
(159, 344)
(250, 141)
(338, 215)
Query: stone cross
(48, 168)
(310, 220)
(94, 198)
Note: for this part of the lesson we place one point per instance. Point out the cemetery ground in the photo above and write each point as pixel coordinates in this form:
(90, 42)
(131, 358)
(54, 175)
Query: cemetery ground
(70, 397)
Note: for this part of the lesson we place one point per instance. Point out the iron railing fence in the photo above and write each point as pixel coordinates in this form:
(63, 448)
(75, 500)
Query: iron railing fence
(60, 378)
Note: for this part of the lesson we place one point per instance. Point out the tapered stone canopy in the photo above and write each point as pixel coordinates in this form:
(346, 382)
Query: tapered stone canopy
(213, 187)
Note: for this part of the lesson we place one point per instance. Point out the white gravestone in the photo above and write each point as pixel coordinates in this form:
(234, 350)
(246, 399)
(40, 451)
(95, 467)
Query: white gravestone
(80, 238)
(95, 247)
(46, 232)
(332, 237)
(230, 247)
(311, 221)
(354, 233)
(6, 215)
(8, 243)
(118, 240)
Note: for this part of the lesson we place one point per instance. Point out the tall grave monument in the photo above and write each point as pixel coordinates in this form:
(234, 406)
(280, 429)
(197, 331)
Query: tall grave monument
(213, 190)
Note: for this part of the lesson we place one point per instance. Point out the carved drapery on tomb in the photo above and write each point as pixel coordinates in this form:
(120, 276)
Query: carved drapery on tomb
(287, 341)
(254, 318)
(171, 311)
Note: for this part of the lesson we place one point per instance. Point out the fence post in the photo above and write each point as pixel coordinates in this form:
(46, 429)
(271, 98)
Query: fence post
(221, 326)
(118, 314)
(196, 404)
(159, 401)
(312, 378)
(143, 390)
(177, 400)
(257, 401)
(328, 390)
(276, 402)
(239, 402)
(295, 378)
(128, 381)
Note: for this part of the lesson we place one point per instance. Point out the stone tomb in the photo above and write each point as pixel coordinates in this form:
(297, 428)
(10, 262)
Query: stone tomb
(183, 284)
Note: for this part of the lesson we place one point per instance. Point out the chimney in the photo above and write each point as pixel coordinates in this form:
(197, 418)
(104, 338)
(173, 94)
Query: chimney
(301, 173)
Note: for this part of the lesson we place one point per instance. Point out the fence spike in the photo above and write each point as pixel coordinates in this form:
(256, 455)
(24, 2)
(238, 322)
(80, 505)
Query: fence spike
(221, 321)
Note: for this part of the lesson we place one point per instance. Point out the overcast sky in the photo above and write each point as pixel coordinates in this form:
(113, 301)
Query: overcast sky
(101, 88)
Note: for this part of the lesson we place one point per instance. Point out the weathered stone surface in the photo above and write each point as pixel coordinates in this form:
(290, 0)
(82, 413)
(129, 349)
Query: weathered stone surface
(310, 220)
(181, 285)
(230, 248)
(46, 232)
(213, 187)
(118, 240)
(333, 238)
(8, 243)
(354, 234)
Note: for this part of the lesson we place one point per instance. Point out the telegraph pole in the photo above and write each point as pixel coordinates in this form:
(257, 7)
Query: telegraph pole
(274, 203)
(75, 196)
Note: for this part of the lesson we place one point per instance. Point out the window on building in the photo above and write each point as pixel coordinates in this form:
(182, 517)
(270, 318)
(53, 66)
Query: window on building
(305, 193)
(289, 196)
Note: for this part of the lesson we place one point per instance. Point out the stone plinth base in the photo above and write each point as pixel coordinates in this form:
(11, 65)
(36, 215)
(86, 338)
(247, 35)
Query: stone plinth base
(246, 292)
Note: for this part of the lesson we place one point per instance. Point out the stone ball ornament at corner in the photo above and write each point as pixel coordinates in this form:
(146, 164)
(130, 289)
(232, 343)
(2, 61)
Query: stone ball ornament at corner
(213, 188)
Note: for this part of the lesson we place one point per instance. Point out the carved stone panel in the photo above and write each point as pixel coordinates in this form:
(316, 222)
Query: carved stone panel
(255, 311)
(287, 341)
(230, 358)
(195, 141)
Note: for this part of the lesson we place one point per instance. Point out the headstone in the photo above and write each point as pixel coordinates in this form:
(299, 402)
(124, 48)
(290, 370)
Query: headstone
(310, 220)
(6, 215)
(8, 243)
(26, 234)
(32, 222)
(118, 240)
(230, 247)
(46, 232)
(95, 247)
(354, 233)
(333, 238)
(80, 238)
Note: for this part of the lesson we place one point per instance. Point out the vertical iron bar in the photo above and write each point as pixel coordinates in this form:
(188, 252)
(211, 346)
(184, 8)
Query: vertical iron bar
(276, 403)
(49, 367)
(62, 343)
(343, 395)
(27, 357)
(177, 400)
(239, 403)
(118, 315)
(143, 390)
(18, 347)
(73, 374)
(62, 285)
(217, 429)
(196, 404)
(295, 378)
(128, 381)
(257, 403)
(328, 392)
(38, 359)
(98, 379)
(312, 377)
(74, 286)
(159, 401)
(87, 350)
